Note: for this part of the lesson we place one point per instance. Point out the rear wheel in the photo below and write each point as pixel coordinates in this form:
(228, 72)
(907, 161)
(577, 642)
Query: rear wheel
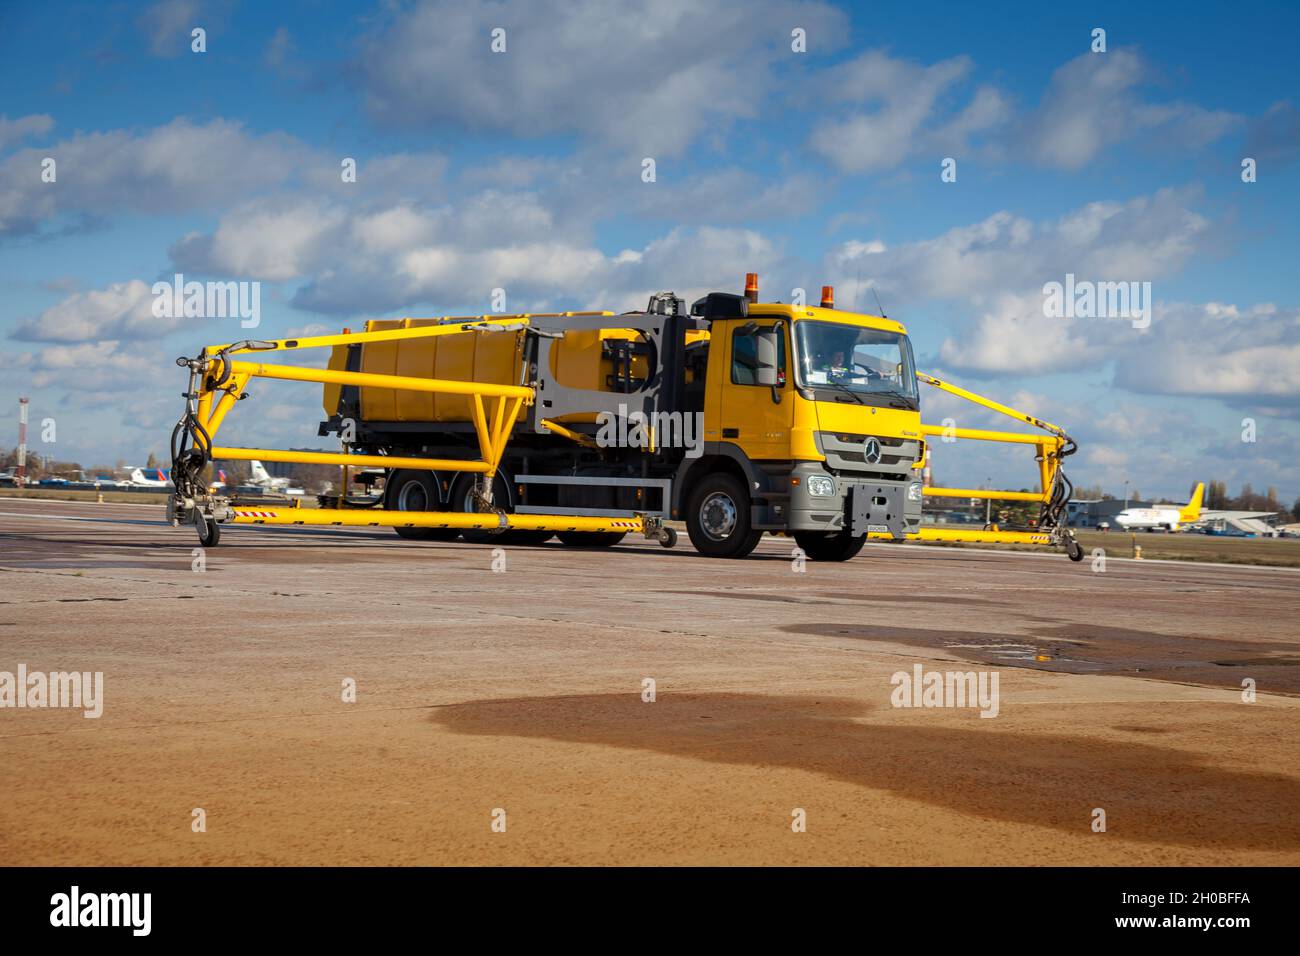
(717, 517)
(591, 539)
(829, 547)
(528, 537)
(463, 500)
(410, 490)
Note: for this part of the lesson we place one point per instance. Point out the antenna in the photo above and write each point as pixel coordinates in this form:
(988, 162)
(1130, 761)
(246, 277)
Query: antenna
(857, 287)
(883, 314)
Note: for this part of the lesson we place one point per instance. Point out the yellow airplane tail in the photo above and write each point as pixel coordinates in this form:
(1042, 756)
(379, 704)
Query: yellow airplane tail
(1192, 510)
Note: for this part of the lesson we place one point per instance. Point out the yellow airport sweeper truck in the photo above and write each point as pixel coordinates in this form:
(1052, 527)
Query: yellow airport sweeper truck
(735, 416)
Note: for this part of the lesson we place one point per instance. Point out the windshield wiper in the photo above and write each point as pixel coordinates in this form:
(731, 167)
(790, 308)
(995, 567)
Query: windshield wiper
(908, 401)
(846, 390)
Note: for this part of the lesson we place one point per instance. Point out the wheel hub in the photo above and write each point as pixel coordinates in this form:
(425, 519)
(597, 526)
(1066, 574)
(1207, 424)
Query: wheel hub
(718, 516)
(413, 497)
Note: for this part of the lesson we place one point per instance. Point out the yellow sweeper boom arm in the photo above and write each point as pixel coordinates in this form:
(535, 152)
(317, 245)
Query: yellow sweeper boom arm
(1054, 488)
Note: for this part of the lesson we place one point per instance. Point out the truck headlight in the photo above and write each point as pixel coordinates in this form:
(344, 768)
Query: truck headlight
(821, 486)
(914, 491)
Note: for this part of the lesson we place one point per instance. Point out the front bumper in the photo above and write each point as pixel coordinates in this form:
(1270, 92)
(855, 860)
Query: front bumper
(860, 505)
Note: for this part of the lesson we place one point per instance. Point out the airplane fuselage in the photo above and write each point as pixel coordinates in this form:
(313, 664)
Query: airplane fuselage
(1137, 519)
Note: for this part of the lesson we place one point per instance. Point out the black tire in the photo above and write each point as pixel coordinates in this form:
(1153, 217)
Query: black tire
(829, 547)
(1074, 550)
(528, 537)
(591, 539)
(209, 532)
(414, 490)
(718, 519)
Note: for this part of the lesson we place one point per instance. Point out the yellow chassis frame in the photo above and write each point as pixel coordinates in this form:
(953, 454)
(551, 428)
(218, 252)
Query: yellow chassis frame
(492, 424)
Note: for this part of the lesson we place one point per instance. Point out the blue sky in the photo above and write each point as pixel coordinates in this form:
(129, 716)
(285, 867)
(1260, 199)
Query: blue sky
(522, 170)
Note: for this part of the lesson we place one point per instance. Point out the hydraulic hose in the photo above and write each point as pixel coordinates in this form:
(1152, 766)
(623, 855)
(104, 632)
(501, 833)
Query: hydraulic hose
(1055, 513)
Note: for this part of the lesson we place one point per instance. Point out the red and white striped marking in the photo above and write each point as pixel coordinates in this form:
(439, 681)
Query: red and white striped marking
(255, 514)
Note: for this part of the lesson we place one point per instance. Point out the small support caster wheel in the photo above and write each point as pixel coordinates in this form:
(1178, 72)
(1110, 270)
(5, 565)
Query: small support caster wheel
(209, 531)
(668, 537)
(1074, 550)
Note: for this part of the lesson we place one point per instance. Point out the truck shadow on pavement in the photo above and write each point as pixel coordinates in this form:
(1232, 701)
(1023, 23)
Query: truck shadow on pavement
(1151, 794)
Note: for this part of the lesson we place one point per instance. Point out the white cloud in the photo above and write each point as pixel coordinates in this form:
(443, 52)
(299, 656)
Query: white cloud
(727, 196)
(1092, 103)
(1012, 335)
(1141, 239)
(97, 367)
(123, 310)
(167, 25)
(1249, 356)
(643, 76)
(996, 270)
(904, 113)
(279, 49)
(536, 273)
(184, 166)
(375, 258)
(175, 167)
(23, 127)
(1275, 137)
(272, 242)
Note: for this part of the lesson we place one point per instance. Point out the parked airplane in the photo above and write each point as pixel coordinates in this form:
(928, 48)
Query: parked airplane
(1165, 518)
(151, 478)
(262, 480)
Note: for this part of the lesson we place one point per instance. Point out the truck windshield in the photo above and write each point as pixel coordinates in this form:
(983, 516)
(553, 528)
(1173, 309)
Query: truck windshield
(863, 361)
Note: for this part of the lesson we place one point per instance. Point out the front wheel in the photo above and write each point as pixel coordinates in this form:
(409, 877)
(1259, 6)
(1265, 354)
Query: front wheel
(717, 518)
(829, 547)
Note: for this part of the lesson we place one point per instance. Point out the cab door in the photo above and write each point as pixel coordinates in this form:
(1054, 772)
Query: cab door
(755, 416)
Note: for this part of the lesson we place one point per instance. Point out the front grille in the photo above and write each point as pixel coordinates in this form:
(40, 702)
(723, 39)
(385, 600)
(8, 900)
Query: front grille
(845, 453)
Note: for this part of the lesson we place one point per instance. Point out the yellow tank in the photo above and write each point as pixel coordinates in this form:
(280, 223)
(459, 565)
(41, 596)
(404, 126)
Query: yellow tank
(494, 357)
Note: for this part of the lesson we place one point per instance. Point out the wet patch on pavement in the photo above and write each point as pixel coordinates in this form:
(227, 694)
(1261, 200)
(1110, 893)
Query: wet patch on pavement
(1097, 649)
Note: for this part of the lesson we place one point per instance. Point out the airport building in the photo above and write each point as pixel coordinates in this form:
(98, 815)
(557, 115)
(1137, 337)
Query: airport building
(1094, 512)
(1260, 524)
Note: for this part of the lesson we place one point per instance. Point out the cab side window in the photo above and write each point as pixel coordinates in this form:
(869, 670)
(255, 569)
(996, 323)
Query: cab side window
(744, 358)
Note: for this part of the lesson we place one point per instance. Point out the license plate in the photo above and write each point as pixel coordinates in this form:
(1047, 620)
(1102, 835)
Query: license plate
(878, 529)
